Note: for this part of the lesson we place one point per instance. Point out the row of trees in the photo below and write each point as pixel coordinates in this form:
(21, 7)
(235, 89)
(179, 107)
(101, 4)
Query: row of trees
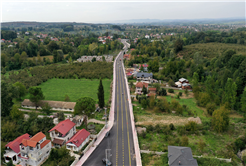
(38, 74)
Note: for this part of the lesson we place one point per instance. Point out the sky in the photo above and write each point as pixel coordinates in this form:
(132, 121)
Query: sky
(113, 11)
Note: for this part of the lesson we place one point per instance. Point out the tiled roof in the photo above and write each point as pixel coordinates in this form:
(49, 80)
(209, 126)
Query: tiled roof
(14, 145)
(26, 142)
(145, 75)
(37, 137)
(152, 89)
(44, 143)
(141, 84)
(64, 126)
(79, 137)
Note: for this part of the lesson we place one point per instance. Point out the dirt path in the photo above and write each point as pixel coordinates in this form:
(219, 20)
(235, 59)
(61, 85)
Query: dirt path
(96, 121)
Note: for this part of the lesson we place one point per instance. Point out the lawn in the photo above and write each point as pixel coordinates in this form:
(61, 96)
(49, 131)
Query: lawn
(56, 89)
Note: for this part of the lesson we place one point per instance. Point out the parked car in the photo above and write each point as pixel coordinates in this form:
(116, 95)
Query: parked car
(104, 160)
(107, 134)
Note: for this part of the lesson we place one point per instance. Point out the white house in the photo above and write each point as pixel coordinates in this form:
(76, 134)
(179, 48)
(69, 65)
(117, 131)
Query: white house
(62, 132)
(147, 77)
(139, 87)
(26, 33)
(147, 36)
(35, 151)
(78, 140)
(13, 149)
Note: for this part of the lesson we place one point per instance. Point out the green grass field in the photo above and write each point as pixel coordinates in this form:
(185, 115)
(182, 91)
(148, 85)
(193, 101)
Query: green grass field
(56, 89)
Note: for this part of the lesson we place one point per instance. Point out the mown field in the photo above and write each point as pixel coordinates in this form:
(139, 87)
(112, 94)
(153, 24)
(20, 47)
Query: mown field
(211, 50)
(56, 89)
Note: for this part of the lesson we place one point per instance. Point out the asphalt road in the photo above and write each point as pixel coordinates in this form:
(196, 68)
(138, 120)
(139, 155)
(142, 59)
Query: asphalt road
(120, 141)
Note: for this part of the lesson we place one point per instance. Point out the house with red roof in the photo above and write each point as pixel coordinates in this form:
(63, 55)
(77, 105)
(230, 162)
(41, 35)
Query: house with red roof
(36, 150)
(2, 40)
(13, 149)
(62, 132)
(104, 41)
(139, 87)
(127, 56)
(152, 90)
(145, 67)
(79, 140)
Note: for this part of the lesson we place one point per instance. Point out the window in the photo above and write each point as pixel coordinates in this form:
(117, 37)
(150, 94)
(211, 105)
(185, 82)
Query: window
(47, 152)
(41, 140)
(39, 153)
(22, 147)
(31, 148)
(37, 147)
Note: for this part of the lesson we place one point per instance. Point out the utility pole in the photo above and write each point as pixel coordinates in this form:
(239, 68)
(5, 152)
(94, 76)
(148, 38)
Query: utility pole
(105, 117)
(107, 156)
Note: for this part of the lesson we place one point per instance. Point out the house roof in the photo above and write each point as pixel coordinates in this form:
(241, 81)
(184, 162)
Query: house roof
(14, 145)
(26, 142)
(129, 73)
(141, 74)
(79, 137)
(43, 144)
(141, 84)
(53, 104)
(37, 137)
(182, 79)
(64, 126)
(152, 89)
(151, 94)
(180, 154)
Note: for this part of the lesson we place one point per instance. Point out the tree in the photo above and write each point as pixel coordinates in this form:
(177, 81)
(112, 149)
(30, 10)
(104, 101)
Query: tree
(92, 48)
(15, 113)
(163, 92)
(157, 86)
(220, 119)
(67, 99)
(195, 79)
(46, 109)
(170, 91)
(93, 59)
(178, 45)
(144, 103)
(85, 106)
(100, 95)
(243, 101)
(6, 99)
(21, 89)
(36, 94)
(144, 90)
(55, 56)
(171, 83)
(186, 92)
(151, 102)
(163, 105)
(230, 93)
(61, 116)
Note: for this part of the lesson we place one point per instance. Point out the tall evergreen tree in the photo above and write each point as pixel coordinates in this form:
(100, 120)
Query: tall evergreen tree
(230, 93)
(243, 101)
(100, 95)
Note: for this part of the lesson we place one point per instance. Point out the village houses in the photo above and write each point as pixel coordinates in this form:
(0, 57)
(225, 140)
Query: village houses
(139, 87)
(78, 141)
(13, 149)
(62, 132)
(146, 77)
(183, 83)
(36, 150)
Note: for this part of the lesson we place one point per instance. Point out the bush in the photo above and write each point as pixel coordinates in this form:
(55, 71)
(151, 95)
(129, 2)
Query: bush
(184, 141)
(170, 91)
(180, 93)
(181, 130)
(177, 140)
(157, 128)
(150, 128)
(191, 126)
(171, 126)
(210, 108)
